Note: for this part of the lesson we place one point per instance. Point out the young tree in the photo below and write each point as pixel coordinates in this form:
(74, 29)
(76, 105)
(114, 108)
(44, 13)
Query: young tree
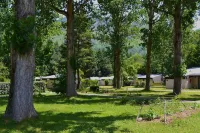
(84, 57)
(149, 7)
(20, 104)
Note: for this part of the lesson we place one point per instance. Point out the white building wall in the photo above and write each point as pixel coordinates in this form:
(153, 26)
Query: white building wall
(170, 83)
(102, 82)
(157, 79)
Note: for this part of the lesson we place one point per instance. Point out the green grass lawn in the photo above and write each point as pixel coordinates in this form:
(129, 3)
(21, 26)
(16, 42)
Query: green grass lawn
(98, 114)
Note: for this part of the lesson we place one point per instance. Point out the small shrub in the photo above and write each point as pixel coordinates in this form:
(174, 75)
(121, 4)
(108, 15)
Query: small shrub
(94, 88)
(2, 79)
(87, 83)
(106, 82)
(39, 86)
(151, 115)
(4, 88)
(137, 84)
(127, 83)
(142, 84)
(124, 100)
(60, 85)
(195, 106)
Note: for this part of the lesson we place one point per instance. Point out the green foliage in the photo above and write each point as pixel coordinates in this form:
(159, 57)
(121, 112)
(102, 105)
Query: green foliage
(181, 71)
(4, 72)
(131, 65)
(103, 64)
(4, 88)
(195, 106)
(140, 84)
(191, 48)
(39, 86)
(94, 88)
(127, 83)
(60, 85)
(88, 83)
(24, 37)
(151, 115)
(106, 82)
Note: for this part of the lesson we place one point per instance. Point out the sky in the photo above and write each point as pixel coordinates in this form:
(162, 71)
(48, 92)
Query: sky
(197, 24)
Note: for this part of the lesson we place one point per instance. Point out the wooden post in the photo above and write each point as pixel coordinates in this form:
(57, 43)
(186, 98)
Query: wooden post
(139, 113)
(165, 119)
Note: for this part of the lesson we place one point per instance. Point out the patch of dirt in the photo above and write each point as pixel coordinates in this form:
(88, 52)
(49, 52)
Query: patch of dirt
(179, 115)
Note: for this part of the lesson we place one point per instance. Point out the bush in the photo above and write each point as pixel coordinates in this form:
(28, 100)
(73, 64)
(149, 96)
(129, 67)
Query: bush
(87, 83)
(127, 83)
(106, 82)
(4, 88)
(140, 84)
(94, 88)
(2, 79)
(39, 86)
(60, 85)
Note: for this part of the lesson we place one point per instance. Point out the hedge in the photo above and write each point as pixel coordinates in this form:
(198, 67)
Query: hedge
(39, 86)
(4, 88)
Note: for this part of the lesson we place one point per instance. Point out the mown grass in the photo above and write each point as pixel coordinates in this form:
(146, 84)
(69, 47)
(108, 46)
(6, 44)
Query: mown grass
(97, 114)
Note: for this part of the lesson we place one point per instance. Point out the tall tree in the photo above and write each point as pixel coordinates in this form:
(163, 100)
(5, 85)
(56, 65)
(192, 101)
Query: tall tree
(84, 58)
(182, 12)
(66, 8)
(116, 25)
(149, 7)
(20, 104)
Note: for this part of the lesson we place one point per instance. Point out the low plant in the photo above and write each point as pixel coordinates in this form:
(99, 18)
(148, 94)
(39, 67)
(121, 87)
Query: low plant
(94, 88)
(195, 106)
(151, 115)
(106, 82)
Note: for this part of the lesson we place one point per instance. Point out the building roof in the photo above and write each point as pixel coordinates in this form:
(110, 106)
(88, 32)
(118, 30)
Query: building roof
(47, 77)
(193, 72)
(151, 76)
(101, 78)
(94, 78)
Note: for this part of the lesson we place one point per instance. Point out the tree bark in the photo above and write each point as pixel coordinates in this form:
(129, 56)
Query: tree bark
(177, 48)
(78, 79)
(117, 68)
(114, 71)
(149, 46)
(71, 91)
(20, 102)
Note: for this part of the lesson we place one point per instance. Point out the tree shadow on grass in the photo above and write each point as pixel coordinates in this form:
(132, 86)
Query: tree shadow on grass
(191, 98)
(57, 99)
(3, 101)
(88, 122)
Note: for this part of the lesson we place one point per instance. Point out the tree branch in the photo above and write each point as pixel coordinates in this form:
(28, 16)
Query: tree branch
(163, 11)
(63, 12)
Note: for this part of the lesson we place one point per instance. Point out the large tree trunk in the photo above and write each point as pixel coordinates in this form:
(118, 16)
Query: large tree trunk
(71, 91)
(78, 79)
(20, 102)
(177, 49)
(117, 68)
(114, 71)
(149, 46)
